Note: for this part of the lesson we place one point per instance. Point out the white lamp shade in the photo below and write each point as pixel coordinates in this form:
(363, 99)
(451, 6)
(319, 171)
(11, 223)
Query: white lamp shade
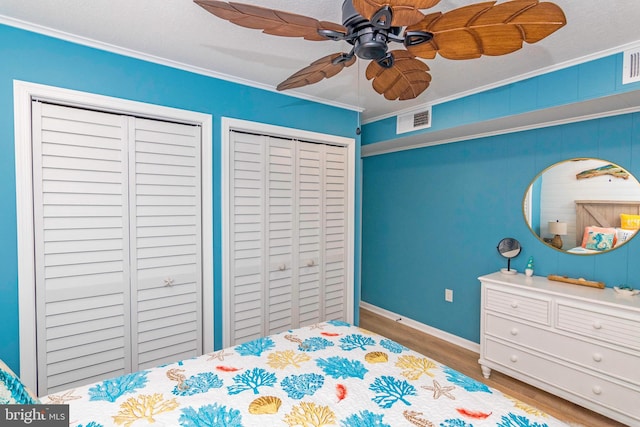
(556, 227)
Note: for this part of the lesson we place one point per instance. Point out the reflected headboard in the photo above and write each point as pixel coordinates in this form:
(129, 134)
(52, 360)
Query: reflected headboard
(601, 213)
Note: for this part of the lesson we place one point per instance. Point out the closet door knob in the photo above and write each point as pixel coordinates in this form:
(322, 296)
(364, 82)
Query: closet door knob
(597, 324)
(168, 281)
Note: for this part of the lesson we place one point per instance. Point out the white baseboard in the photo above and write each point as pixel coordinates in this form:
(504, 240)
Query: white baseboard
(446, 336)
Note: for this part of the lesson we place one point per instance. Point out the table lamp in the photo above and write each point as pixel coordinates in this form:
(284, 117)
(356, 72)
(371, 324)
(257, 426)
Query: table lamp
(558, 229)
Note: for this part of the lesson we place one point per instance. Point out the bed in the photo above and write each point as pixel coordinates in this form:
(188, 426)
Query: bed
(602, 217)
(327, 374)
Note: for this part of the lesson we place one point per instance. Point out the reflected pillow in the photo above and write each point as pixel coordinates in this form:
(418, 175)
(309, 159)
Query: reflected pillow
(623, 235)
(596, 230)
(599, 241)
(629, 222)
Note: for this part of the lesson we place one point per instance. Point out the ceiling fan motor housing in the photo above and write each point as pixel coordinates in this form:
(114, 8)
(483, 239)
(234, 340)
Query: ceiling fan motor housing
(370, 42)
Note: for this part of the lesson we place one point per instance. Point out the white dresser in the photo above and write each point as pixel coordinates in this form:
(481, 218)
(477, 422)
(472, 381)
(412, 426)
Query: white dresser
(577, 342)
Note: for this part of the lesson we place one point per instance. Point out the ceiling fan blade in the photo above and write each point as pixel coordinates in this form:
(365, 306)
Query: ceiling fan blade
(487, 29)
(323, 68)
(270, 21)
(405, 12)
(407, 78)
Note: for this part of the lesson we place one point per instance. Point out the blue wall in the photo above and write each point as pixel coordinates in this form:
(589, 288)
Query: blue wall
(433, 216)
(40, 59)
(582, 82)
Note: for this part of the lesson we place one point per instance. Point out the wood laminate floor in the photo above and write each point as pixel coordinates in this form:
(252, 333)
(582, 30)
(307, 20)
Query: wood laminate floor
(466, 361)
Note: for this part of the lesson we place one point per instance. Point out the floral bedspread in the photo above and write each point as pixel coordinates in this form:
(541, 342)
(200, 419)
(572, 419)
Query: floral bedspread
(329, 374)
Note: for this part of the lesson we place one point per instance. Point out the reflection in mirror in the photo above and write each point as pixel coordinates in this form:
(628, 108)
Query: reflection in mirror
(509, 248)
(583, 206)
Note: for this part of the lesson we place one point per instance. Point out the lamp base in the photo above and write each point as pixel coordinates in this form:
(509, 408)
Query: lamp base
(556, 241)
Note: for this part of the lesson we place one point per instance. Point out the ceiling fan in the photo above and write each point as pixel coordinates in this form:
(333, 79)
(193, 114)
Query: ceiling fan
(370, 25)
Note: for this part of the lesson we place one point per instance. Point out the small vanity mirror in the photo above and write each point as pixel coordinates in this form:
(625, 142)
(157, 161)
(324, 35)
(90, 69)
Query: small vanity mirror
(583, 206)
(509, 248)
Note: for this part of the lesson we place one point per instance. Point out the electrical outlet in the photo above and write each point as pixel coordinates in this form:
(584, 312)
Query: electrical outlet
(448, 295)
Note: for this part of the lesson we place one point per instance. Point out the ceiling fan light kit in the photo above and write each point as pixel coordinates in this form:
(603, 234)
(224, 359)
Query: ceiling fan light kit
(467, 32)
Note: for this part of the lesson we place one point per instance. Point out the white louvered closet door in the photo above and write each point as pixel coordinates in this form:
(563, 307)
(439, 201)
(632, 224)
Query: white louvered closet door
(287, 235)
(334, 201)
(279, 240)
(322, 246)
(117, 238)
(166, 246)
(82, 246)
(245, 311)
(310, 164)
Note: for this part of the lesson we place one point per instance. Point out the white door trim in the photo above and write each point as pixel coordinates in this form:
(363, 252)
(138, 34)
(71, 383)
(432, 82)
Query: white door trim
(23, 94)
(228, 125)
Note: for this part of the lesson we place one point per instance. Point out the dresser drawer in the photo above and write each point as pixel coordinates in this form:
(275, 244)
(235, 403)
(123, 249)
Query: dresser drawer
(615, 396)
(517, 305)
(605, 326)
(600, 358)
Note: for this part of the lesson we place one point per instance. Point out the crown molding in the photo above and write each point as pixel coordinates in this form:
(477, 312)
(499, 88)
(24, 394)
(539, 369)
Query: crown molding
(50, 32)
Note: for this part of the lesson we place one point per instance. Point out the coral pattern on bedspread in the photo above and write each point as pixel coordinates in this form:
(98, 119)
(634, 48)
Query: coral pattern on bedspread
(328, 374)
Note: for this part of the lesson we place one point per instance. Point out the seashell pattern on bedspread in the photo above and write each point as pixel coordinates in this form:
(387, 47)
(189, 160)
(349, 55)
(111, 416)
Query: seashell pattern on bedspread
(328, 374)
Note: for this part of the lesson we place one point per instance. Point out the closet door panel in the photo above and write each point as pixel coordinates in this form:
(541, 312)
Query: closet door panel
(81, 244)
(166, 265)
(279, 218)
(246, 231)
(286, 235)
(334, 226)
(117, 233)
(309, 228)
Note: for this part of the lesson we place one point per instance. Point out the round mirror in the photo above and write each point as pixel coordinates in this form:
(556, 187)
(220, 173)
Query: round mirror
(583, 206)
(509, 248)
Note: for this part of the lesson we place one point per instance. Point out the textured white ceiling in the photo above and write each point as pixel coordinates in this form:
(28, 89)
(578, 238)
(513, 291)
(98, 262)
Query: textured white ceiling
(182, 32)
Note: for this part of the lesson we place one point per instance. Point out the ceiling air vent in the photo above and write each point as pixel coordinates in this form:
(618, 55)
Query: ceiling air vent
(414, 120)
(631, 66)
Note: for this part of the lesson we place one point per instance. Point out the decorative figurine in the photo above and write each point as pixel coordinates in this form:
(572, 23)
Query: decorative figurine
(529, 269)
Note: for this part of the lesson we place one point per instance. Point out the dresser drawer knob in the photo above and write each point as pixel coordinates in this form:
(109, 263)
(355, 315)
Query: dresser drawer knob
(282, 267)
(597, 324)
(514, 304)
(513, 358)
(514, 331)
(597, 357)
(597, 389)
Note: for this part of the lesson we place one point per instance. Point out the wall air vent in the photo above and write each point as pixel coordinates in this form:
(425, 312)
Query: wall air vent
(631, 66)
(414, 120)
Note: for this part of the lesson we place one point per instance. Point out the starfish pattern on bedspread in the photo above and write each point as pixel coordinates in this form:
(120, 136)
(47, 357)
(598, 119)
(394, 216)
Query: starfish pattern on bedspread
(439, 390)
